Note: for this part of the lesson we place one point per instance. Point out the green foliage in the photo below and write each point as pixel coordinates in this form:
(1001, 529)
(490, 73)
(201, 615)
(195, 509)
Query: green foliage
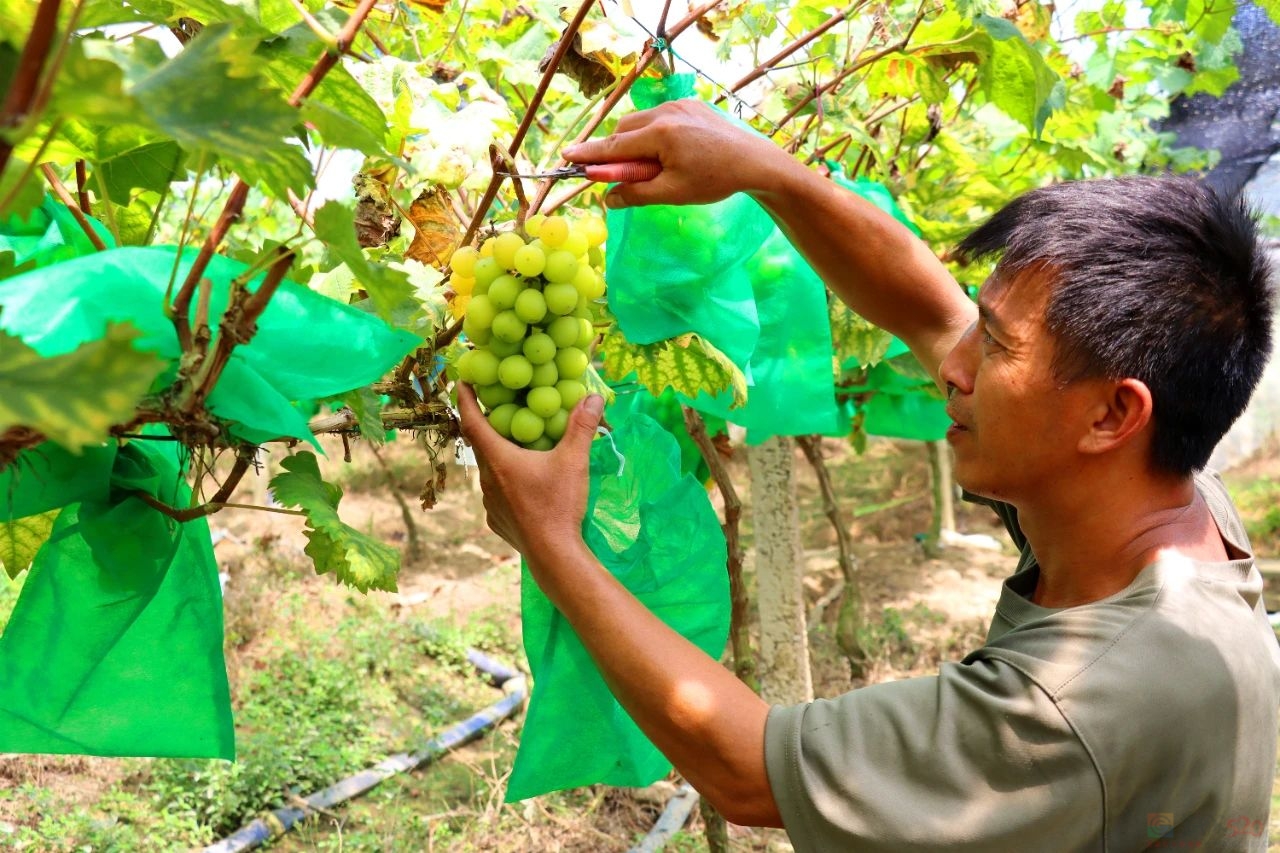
(355, 558)
(387, 288)
(97, 385)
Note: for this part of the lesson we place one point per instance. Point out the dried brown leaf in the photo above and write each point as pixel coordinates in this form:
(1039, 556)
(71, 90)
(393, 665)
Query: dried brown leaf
(438, 229)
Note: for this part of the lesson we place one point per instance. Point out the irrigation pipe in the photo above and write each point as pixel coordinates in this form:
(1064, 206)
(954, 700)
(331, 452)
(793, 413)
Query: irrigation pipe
(670, 822)
(279, 821)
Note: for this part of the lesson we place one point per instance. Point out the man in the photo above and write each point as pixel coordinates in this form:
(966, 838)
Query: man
(1127, 695)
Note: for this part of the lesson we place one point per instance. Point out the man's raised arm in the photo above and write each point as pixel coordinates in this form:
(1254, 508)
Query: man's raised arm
(878, 267)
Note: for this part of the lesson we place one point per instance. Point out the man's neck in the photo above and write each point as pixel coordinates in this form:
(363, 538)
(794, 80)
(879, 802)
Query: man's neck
(1092, 542)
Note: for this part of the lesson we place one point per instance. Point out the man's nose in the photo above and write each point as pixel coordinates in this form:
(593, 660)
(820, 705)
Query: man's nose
(958, 368)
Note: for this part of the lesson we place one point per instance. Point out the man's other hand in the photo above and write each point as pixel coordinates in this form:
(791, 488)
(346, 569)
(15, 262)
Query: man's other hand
(704, 156)
(534, 499)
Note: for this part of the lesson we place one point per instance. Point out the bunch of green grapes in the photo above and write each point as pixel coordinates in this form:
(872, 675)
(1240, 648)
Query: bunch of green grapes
(527, 309)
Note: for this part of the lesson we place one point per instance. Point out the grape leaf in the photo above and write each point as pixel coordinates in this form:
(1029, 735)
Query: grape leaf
(355, 558)
(1272, 8)
(853, 337)
(28, 196)
(21, 538)
(210, 97)
(75, 398)
(138, 160)
(387, 288)
(686, 363)
(1016, 78)
(367, 408)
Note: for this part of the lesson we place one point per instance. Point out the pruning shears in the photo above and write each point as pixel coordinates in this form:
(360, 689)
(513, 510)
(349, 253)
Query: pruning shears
(622, 172)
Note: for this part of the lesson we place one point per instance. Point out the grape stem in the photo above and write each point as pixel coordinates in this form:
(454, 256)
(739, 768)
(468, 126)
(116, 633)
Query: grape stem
(744, 665)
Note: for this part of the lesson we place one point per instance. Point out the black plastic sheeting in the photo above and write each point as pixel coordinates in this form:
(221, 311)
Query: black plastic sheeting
(1243, 124)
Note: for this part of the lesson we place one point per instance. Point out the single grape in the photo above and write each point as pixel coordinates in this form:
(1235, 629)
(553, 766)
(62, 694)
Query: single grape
(530, 306)
(462, 284)
(594, 229)
(515, 371)
(539, 348)
(586, 333)
(526, 426)
(533, 223)
(529, 260)
(585, 281)
(595, 257)
(508, 327)
(564, 331)
(481, 311)
(571, 391)
(459, 304)
(500, 418)
(493, 396)
(561, 298)
(483, 367)
(478, 336)
(543, 402)
(464, 364)
(486, 249)
(502, 349)
(553, 231)
(505, 246)
(582, 309)
(575, 243)
(557, 424)
(503, 291)
(486, 271)
(571, 362)
(545, 374)
(463, 261)
(561, 267)
(543, 442)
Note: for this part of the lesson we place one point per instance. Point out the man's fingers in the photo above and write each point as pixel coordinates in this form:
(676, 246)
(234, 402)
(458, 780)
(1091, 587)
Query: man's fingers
(475, 427)
(632, 145)
(582, 425)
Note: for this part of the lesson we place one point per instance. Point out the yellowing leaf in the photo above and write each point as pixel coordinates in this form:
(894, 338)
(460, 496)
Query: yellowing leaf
(22, 538)
(355, 558)
(686, 363)
(853, 337)
(74, 399)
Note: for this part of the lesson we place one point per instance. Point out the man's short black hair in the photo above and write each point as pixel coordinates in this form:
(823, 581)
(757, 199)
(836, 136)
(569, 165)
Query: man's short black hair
(1158, 279)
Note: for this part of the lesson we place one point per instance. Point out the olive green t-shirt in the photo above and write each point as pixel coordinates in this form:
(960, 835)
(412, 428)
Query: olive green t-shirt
(1145, 720)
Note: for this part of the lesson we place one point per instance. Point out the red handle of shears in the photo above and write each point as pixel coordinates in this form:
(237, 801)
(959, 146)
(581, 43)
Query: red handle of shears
(623, 172)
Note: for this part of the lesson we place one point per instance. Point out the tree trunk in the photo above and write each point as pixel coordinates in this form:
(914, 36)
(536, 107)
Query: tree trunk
(944, 503)
(784, 652)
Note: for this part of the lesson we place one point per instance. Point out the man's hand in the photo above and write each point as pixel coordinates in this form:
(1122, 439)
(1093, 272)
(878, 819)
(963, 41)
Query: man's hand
(534, 499)
(704, 156)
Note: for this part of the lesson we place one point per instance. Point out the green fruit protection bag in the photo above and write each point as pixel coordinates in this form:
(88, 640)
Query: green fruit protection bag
(654, 528)
(114, 646)
(726, 272)
(630, 398)
(47, 235)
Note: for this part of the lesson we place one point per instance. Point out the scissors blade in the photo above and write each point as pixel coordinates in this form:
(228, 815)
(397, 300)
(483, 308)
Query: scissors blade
(562, 172)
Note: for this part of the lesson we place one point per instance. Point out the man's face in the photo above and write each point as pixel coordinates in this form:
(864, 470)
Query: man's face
(1016, 428)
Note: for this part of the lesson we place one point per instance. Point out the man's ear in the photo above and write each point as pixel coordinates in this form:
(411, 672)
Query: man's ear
(1122, 410)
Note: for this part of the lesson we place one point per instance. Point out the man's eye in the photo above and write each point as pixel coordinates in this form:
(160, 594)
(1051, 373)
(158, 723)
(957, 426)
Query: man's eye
(987, 339)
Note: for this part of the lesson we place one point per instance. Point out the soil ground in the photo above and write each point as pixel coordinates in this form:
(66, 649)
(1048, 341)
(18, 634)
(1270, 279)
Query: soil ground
(465, 582)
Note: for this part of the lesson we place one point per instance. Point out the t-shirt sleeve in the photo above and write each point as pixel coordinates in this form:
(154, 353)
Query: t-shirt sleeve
(977, 758)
